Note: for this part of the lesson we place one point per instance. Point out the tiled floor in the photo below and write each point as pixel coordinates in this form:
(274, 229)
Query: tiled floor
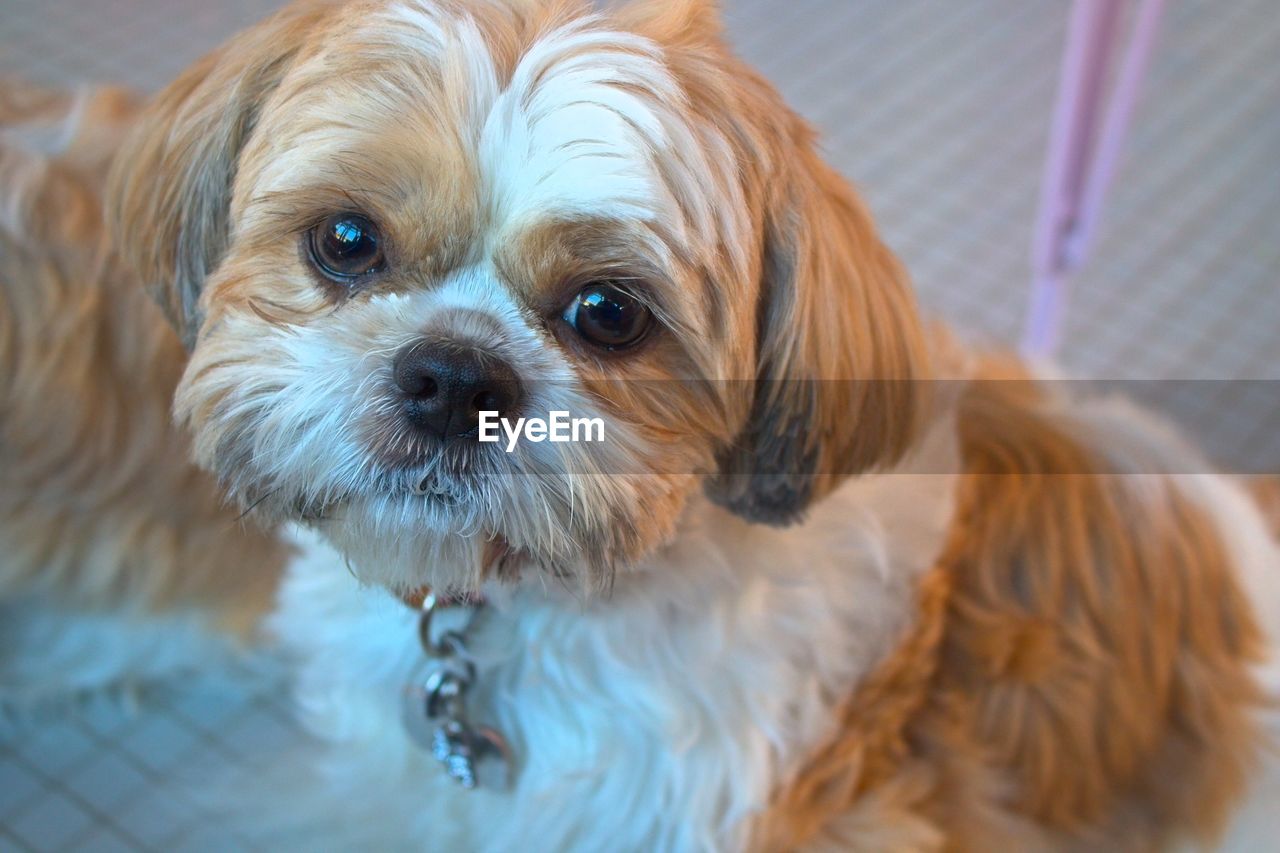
(939, 110)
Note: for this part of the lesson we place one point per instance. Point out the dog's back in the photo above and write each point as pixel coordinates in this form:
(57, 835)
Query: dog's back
(99, 506)
(61, 345)
(1102, 677)
(1105, 627)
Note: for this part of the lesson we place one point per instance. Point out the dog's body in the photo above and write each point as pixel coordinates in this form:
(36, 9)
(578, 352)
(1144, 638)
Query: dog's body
(1018, 627)
(101, 510)
(913, 668)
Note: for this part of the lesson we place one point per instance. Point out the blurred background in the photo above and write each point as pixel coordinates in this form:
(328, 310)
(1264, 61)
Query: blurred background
(940, 110)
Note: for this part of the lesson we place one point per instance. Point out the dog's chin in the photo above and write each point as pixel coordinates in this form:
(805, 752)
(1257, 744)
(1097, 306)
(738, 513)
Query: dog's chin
(404, 541)
(416, 526)
(463, 522)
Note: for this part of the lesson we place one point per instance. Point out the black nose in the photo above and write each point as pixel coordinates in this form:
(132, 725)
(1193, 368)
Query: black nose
(447, 385)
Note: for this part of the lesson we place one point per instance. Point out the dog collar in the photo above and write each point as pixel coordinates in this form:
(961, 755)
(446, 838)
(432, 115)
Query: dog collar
(435, 707)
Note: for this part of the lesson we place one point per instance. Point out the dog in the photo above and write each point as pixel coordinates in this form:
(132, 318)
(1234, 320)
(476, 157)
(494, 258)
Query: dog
(833, 580)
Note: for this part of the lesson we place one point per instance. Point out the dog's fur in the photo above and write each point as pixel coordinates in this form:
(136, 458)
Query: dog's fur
(101, 509)
(831, 583)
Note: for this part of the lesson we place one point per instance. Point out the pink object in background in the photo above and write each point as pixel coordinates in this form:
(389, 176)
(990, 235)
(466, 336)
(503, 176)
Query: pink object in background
(1085, 144)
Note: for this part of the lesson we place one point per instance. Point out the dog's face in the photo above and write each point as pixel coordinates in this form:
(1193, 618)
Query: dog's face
(371, 220)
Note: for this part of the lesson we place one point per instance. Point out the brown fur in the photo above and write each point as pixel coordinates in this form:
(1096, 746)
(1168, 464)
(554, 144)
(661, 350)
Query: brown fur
(1093, 671)
(838, 342)
(1099, 633)
(175, 183)
(99, 504)
(871, 727)
(1266, 491)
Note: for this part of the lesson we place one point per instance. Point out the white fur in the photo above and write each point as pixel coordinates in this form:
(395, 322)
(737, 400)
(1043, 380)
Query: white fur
(664, 714)
(661, 717)
(308, 413)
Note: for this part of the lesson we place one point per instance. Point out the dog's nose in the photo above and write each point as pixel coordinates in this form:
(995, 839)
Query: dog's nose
(447, 385)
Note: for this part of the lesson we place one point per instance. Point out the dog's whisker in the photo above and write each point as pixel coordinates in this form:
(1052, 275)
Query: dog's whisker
(255, 505)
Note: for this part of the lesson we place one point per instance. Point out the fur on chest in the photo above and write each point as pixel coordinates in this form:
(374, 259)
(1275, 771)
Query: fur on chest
(933, 658)
(669, 713)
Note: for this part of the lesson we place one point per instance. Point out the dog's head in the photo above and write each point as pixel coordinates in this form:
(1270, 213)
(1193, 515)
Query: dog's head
(370, 220)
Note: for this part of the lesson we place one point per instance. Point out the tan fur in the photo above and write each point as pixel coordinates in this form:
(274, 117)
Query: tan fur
(869, 741)
(1098, 632)
(1266, 491)
(838, 342)
(99, 504)
(1093, 671)
(174, 184)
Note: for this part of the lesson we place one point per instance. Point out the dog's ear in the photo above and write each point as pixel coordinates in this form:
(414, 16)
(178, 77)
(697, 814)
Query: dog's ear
(170, 188)
(839, 345)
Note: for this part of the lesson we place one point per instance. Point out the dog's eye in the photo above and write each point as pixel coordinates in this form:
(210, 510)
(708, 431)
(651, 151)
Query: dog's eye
(345, 247)
(607, 316)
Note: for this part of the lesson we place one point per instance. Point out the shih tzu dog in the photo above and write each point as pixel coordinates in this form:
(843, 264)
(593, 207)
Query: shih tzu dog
(828, 581)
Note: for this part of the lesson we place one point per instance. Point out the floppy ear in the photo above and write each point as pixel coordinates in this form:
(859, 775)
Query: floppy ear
(840, 350)
(170, 188)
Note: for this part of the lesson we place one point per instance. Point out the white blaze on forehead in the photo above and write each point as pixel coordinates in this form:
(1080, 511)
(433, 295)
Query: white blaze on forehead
(579, 126)
(424, 24)
(576, 130)
(593, 123)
